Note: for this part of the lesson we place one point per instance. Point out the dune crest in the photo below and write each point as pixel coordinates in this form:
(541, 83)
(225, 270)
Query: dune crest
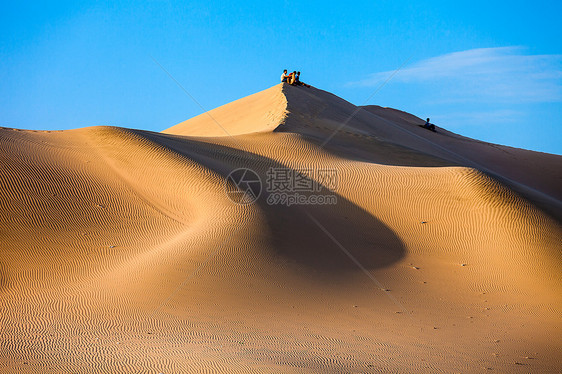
(260, 112)
(123, 251)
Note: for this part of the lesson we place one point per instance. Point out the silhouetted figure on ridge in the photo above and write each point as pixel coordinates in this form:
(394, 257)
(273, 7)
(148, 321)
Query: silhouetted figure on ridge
(429, 126)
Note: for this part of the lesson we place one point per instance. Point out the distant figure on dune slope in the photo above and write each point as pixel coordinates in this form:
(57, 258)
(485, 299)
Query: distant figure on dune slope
(293, 78)
(428, 126)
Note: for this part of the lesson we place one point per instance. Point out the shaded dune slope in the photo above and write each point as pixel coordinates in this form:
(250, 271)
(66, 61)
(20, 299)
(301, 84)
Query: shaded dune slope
(122, 251)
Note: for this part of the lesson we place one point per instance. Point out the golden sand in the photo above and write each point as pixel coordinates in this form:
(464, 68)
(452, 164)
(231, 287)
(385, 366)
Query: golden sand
(122, 252)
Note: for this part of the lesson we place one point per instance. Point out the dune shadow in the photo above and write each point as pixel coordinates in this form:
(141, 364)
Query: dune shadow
(294, 235)
(372, 150)
(351, 132)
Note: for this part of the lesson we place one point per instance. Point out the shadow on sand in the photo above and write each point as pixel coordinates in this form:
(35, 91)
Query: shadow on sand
(294, 234)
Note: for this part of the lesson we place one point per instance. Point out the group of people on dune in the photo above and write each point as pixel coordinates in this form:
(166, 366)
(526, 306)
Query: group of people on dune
(293, 78)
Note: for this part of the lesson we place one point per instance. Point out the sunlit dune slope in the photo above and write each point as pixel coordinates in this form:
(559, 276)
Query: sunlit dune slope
(259, 112)
(122, 250)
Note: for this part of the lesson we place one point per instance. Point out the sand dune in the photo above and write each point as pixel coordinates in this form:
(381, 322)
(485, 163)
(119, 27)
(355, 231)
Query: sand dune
(122, 251)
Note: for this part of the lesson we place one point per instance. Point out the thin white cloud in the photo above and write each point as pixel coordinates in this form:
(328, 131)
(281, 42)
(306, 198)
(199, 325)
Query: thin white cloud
(504, 74)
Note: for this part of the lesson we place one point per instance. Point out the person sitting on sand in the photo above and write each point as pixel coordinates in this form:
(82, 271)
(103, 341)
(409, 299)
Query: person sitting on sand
(298, 80)
(429, 126)
(285, 77)
(291, 79)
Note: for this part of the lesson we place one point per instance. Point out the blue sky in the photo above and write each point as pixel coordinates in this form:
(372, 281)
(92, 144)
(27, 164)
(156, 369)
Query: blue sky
(488, 70)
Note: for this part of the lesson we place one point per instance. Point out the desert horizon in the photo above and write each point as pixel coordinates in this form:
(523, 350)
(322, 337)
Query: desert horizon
(287, 231)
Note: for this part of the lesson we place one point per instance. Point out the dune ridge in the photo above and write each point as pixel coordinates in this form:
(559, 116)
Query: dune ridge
(121, 250)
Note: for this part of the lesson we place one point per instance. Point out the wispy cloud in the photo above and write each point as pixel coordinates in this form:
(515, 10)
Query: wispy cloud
(504, 74)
